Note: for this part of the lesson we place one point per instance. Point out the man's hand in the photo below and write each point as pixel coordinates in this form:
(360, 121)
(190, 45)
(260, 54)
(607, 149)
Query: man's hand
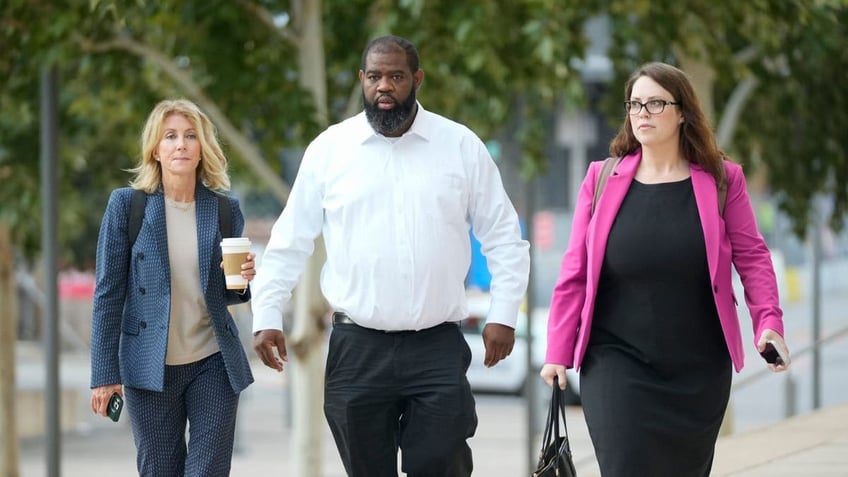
(498, 340)
(270, 345)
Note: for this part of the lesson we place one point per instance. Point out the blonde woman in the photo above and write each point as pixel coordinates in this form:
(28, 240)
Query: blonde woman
(162, 337)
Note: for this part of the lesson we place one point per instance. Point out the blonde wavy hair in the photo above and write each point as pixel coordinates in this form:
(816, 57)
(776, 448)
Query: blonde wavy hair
(212, 169)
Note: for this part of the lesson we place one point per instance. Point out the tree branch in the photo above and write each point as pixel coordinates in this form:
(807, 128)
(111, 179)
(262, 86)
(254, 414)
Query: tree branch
(245, 148)
(746, 55)
(730, 116)
(264, 16)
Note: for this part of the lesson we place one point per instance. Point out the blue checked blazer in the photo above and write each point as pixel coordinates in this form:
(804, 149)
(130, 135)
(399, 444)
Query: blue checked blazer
(132, 295)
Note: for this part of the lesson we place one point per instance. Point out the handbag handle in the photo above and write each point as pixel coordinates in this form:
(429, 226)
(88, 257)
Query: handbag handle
(557, 409)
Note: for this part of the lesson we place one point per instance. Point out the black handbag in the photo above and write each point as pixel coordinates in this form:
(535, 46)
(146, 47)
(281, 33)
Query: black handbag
(555, 457)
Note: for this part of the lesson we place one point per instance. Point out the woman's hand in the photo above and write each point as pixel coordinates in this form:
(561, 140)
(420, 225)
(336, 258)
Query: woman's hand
(100, 397)
(550, 370)
(779, 344)
(248, 268)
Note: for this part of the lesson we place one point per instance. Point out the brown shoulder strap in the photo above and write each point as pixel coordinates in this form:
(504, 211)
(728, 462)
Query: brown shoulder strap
(606, 170)
(722, 191)
(609, 165)
(722, 199)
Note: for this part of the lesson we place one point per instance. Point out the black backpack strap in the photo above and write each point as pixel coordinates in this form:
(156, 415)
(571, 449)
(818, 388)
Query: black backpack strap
(225, 216)
(139, 200)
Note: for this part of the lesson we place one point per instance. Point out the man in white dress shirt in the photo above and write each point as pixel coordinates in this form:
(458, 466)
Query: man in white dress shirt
(394, 190)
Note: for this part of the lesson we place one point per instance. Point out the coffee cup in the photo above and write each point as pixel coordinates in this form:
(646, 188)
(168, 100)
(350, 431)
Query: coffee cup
(234, 251)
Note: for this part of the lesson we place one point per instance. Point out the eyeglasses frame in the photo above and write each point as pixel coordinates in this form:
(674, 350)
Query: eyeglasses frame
(645, 106)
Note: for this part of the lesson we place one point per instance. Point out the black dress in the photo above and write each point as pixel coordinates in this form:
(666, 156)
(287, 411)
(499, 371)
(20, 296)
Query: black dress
(656, 377)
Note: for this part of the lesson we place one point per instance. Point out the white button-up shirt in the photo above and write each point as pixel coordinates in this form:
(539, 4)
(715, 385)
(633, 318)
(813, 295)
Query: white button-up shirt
(395, 214)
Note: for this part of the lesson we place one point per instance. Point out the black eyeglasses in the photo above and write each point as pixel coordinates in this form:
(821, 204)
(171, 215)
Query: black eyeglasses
(654, 106)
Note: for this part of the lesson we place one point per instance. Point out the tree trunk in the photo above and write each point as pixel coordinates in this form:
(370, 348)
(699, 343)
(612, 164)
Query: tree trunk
(8, 327)
(307, 369)
(703, 78)
(307, 337)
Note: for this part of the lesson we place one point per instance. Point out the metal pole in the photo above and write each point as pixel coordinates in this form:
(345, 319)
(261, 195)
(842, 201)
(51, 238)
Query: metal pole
(791, 407)
(530, 382)
(816, 298)
(49, 183)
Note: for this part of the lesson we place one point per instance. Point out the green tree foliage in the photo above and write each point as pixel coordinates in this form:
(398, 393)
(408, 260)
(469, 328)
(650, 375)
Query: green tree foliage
(110, 81)
(487, 63)
(798, 123)
(117, 58)
(790, 52)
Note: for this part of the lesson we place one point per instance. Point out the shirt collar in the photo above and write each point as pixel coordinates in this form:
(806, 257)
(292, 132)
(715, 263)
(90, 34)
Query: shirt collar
(421, 126)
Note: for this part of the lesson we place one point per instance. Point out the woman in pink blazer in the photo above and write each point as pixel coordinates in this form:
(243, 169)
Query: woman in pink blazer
(644, 305)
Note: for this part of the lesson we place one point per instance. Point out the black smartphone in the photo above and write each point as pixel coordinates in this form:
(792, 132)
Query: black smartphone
(116, 404)
(772, 355)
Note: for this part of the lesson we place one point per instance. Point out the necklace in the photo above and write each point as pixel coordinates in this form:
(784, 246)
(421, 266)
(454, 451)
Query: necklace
(183, 206)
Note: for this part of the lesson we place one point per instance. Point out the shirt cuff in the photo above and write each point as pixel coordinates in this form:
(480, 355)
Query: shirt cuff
(503, 312)
(267, 321)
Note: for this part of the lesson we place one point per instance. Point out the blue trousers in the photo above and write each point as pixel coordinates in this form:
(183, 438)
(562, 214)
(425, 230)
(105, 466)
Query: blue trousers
(198, 394)
(407, 391)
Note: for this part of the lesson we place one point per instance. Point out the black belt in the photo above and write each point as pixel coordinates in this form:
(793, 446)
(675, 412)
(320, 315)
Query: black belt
(342, 318)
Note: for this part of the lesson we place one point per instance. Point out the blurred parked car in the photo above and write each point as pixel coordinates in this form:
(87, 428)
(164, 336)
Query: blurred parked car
(509, 375)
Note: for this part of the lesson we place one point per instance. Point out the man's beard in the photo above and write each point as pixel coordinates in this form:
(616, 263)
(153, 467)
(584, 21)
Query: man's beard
(387, 121)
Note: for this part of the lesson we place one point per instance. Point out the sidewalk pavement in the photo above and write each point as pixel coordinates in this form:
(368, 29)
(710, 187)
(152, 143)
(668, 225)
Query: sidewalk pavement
(814, 444)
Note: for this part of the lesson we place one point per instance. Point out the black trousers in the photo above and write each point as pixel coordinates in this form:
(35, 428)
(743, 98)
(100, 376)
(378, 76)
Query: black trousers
(405, 390)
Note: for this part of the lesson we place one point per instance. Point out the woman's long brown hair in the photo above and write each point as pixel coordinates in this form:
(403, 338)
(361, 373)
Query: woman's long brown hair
(697, 141)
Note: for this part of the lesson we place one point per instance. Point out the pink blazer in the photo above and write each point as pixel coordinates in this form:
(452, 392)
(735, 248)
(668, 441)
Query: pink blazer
(731, 238)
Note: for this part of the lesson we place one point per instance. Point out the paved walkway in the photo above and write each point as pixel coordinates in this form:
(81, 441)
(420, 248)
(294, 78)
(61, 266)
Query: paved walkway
(810, 445)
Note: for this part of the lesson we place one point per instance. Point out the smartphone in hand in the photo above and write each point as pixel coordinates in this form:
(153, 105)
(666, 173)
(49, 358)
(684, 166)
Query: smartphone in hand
(116, 404)
(773, 355)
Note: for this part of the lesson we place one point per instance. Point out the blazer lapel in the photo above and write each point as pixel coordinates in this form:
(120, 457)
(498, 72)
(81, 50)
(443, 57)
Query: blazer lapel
(155, 217)
(706, 197)
(207, 228)
(608, 205)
